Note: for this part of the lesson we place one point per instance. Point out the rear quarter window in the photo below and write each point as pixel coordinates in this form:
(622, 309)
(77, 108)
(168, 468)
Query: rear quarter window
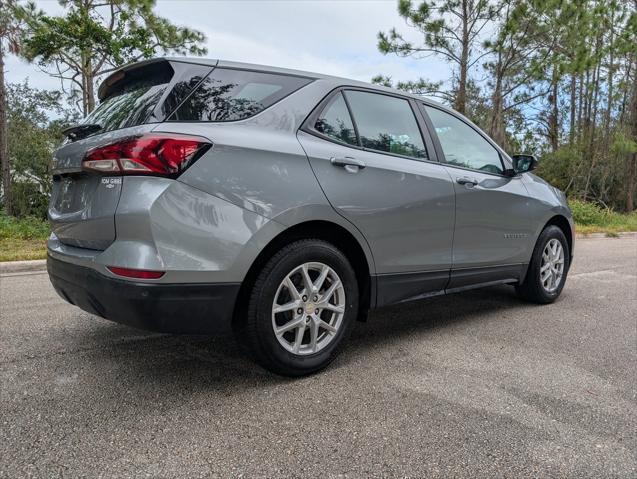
(229, 95)
(336, 123)
(187, 77)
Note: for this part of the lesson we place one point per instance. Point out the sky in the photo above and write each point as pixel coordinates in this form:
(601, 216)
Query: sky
(336, 37)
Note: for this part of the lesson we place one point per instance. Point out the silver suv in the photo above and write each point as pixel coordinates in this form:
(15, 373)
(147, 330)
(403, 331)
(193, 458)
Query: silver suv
(202, 195)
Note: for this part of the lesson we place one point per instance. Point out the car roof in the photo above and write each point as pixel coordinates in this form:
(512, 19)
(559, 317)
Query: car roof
(335, 80)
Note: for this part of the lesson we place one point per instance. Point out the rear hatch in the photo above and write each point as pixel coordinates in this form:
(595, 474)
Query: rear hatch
(133, 100)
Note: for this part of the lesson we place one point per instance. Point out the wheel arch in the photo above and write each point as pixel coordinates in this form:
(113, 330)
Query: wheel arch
(324, 230)
(562, 223)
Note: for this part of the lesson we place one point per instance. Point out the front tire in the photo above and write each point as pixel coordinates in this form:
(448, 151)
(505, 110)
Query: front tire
(301, 308)
(546, 275)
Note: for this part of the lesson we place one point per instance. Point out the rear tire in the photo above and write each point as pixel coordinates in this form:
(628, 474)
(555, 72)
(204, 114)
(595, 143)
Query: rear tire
(291, 326)
(546, 275)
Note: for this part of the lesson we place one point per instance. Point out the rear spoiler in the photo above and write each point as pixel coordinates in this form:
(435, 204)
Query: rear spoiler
(107, 85)
(111, 82)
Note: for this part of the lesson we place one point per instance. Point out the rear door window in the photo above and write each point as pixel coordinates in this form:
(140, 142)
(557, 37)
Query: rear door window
(386, 124)
(228, 95)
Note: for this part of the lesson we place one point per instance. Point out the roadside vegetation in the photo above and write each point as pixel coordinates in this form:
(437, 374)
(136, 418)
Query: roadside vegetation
(22, 238)
(591, 218)
(554, 78)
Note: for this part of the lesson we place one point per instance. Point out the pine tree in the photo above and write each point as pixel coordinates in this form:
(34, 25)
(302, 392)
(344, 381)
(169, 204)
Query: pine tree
(95, 38)
(451, 29)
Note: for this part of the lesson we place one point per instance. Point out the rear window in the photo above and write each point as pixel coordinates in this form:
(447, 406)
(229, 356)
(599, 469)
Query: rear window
(131, 101)
(228, 95)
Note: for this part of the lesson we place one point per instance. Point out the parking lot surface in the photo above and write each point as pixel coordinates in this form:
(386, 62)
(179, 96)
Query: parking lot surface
(470, 385)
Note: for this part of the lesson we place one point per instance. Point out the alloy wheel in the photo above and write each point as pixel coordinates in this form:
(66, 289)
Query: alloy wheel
(308, 308)
(552, 267)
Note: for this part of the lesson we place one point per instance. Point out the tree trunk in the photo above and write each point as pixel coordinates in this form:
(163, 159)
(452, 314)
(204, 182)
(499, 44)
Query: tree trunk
(88, 86)
(496, 130)
(461, 97)
(90, 92)
(553, 133)
(632, 167)
(630, 186)
(595, 105)
(496, 125)
(84, 100)
(571, 132)
(88, 76)
(588, 97)
(592, 121)
(580, 100)
(5, 161)
(611, 70)
(631, 174)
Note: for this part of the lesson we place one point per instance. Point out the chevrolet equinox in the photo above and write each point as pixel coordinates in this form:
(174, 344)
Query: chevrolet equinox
(204, 195)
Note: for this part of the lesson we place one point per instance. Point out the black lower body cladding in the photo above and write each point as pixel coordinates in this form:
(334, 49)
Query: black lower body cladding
(194, 308)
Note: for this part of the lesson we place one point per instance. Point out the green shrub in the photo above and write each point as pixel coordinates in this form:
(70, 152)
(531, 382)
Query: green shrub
(559, 167)
(586, 213)
(23, 228)
(28, 200)
(590, 218)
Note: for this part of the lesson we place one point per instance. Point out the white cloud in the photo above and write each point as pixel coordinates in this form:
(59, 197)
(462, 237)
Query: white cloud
(336, 37)
(361, 67)
(17, 70)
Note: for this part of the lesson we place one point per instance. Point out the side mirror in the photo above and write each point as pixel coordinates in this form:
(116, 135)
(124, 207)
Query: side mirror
(524, 163)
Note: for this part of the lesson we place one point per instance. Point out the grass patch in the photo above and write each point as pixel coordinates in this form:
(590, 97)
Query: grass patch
(19, 250)
(22, 239)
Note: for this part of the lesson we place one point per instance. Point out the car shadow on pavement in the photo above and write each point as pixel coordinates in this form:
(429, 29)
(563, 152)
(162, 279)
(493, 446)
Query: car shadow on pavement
(144, 360)
(437, 312)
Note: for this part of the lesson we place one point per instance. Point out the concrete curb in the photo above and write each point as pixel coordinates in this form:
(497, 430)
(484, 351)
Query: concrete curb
(22, 266)
(628, 234)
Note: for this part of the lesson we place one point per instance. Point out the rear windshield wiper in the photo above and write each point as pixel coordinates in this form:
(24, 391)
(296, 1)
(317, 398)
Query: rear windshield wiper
(78, 132)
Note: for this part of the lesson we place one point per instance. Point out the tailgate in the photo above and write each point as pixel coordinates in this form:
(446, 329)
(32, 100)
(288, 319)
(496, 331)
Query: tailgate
(82, 207)
(133, 101)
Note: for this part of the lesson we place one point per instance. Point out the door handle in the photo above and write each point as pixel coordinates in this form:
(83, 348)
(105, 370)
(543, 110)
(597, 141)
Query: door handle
(350, 164)
(465, 180)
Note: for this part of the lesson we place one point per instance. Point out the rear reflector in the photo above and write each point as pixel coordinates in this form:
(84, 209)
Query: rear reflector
(136, 273)
(156, 154)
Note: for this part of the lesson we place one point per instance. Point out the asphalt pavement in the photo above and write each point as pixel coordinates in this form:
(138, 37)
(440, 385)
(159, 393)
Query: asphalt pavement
(477, 384)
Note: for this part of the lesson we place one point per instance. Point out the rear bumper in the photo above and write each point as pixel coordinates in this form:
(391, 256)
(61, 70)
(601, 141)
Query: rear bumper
(193, 308)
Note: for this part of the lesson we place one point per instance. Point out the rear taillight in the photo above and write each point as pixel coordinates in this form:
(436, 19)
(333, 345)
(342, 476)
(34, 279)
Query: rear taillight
(135, 273)
(151, 154)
